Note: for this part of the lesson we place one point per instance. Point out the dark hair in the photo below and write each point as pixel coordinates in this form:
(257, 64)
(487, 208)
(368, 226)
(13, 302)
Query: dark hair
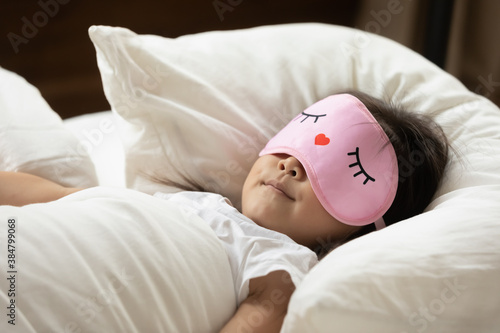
(422, 151)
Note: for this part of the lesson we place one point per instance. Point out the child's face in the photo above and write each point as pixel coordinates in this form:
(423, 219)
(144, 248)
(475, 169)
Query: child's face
(277, 195)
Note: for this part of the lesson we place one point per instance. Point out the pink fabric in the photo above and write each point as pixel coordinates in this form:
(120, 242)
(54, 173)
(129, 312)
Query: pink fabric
(347, 156)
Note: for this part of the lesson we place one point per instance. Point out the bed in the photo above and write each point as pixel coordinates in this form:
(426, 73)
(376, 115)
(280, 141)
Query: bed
(201, 107)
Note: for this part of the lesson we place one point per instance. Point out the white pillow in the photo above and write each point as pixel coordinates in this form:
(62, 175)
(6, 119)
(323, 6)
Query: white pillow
(33, 138)
(202, 106)
(113, 260)
(437, 272)
(98, 132)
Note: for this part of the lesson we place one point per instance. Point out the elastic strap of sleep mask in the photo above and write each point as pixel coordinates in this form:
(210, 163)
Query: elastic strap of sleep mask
(380, 224)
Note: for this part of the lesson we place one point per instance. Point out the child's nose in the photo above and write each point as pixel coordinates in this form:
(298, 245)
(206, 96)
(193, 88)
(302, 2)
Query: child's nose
(291, 166)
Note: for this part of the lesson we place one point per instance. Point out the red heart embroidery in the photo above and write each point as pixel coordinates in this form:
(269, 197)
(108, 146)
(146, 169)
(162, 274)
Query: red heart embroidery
(321, 140)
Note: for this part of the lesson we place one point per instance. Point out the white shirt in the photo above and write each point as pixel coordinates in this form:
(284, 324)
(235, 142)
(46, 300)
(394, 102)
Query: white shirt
(252, 250)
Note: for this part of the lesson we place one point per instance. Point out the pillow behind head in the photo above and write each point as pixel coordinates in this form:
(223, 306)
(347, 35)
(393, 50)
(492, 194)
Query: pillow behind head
(200, 107)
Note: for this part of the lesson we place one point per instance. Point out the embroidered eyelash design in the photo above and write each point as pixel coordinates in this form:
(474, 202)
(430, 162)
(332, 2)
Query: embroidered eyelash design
(307, 115)
(362, 171)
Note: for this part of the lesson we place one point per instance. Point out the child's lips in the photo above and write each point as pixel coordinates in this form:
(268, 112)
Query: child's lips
(279, 187)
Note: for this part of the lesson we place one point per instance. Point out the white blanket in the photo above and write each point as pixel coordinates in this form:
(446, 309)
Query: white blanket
(106, 260)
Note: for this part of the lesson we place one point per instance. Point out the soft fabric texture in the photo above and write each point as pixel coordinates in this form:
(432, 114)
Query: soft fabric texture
(437, 272)
(33, 138)
(98, 132)
(115, 260)
(253, 251)
(336, 140)
(200, 107)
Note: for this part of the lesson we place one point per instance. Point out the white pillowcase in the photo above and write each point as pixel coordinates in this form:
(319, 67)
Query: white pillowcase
(98, 132)
(202, 106)
(437, 272)
(33, 138)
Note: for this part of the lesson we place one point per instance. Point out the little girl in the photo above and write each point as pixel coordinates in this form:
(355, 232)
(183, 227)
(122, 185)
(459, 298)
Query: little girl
(348, 165)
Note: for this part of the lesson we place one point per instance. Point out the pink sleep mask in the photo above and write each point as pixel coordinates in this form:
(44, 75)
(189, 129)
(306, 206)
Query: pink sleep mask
(347, 156)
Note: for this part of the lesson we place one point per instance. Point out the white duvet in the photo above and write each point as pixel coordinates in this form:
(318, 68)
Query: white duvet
(107, 260)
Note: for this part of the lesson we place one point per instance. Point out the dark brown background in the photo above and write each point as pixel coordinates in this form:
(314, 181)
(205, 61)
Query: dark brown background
(57, 56)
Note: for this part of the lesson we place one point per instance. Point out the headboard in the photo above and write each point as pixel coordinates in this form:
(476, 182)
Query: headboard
(47, 42)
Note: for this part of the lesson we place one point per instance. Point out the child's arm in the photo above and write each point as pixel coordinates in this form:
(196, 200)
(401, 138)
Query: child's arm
(266, 305)
(19, 189)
